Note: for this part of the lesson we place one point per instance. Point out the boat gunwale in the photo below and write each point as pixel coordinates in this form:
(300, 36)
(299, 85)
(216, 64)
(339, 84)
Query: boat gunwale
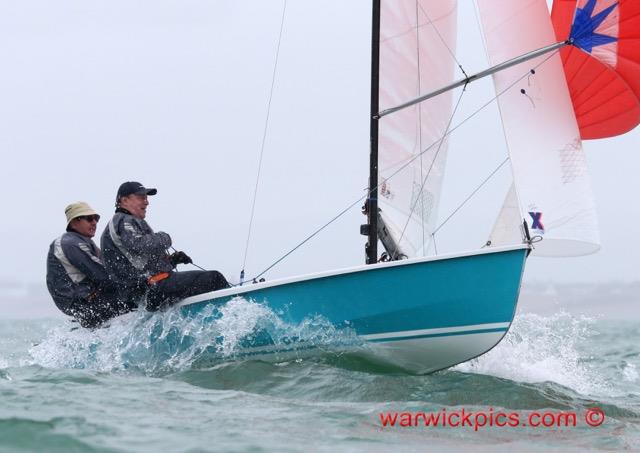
(251, 287)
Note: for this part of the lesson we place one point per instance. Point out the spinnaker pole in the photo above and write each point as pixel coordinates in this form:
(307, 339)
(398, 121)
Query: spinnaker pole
(371, 207)
(487, 72)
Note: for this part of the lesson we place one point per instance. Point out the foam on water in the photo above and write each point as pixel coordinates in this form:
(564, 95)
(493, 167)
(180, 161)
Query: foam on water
(170, 341)
(544, 349)
(630, 373)
(247, 405)
(537, 348)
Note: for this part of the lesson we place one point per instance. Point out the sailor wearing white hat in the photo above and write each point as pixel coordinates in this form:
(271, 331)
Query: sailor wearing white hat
(76, 278)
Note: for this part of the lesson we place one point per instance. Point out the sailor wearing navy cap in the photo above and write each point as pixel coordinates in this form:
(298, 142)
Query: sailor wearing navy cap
(137, 257)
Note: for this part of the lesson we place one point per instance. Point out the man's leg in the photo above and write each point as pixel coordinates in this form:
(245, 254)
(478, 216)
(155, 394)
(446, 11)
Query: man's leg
(183, 284)
(101, 307)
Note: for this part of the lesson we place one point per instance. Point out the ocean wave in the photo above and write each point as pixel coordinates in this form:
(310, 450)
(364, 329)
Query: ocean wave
(545, 349)
(170, 341)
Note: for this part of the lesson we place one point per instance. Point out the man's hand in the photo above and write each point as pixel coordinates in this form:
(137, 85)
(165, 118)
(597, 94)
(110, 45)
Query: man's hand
(179, 258)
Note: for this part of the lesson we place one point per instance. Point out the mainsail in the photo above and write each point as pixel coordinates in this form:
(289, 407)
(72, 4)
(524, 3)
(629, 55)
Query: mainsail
(549, 166)
(417, 43)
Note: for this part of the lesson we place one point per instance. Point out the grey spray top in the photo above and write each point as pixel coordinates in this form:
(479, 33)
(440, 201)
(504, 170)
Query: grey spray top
(74, 269)
(132, 251)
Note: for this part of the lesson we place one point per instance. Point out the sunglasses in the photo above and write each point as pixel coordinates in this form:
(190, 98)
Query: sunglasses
(89, 218)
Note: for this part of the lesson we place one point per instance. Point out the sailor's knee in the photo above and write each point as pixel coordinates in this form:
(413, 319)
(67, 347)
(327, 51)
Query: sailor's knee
(217, 280)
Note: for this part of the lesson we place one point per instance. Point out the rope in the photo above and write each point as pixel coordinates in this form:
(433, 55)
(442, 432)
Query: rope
(344, 211)
(367, 194)
(192, 263)
(433, 162)
(453, 55)
(447, 133)
(264, 138)
(432, 23)
(419, 107)
(472, 194)
(479, 25)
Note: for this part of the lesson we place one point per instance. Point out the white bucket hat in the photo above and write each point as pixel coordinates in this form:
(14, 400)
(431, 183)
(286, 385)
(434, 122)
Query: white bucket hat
(78, 209)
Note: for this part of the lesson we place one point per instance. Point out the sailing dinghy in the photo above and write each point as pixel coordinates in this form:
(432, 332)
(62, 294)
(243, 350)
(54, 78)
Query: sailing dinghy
(415, 308)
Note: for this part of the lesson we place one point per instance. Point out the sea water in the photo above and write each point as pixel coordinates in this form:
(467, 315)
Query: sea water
(142, 385)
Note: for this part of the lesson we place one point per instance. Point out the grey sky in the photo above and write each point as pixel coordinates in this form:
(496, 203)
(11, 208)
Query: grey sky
(174, 94)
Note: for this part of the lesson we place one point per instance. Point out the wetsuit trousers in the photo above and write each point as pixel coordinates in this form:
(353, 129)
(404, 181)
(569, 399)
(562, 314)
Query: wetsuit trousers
(101, 307)
(183, 284)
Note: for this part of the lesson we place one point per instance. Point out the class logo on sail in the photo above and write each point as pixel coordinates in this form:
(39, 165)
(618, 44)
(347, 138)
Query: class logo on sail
(536, 222)
(593, 28)
(385, 191)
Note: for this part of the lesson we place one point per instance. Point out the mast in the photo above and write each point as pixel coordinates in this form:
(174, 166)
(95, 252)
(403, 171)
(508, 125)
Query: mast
(371, 206)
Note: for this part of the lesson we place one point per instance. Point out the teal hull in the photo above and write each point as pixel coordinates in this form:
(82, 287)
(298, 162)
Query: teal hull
(460, 305)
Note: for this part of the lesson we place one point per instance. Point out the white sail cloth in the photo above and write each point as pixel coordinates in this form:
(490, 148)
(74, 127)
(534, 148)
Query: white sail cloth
(416, 45)
(550, 174)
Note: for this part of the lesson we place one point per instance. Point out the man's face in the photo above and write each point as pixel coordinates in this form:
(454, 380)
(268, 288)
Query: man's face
(86, 225)
(136, 204)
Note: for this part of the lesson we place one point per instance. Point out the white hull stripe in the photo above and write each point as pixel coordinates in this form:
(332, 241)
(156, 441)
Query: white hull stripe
(444, 331)
(378, 338)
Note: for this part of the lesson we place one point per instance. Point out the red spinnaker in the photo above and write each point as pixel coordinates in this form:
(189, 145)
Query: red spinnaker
(603, 70)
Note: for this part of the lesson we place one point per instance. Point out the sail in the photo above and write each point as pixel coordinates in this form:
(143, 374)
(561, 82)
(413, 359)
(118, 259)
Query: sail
(603, 66)
(506, 230)
(417, 40)
(547, 159)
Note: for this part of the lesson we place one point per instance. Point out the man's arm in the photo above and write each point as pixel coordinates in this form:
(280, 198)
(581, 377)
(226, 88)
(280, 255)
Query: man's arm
(141, 243)
(81, 255)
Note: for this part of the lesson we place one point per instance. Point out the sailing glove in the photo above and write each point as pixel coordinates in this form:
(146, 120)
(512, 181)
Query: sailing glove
(179, 258)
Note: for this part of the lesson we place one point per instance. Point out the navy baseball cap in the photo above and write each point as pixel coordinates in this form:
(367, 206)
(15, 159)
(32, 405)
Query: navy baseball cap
(131, 187)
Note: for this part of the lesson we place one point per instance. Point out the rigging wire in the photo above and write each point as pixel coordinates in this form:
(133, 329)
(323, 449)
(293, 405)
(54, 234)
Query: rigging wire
(264, 138)
(451, 131)
(433, 24)
(442, 141)
(485, 46)
(472, 194)
(419, 106)
(192, 263)
(433, 162)
(476, 13)
(420, 7)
